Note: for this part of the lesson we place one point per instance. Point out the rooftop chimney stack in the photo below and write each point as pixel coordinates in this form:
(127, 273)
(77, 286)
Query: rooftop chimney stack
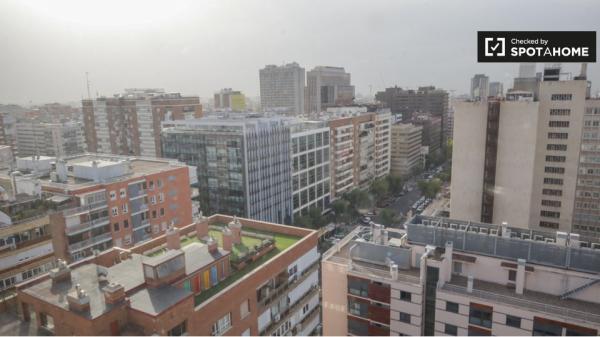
(201, 228)
(78, 300)
(173, 239)
(227, 239)
(236, 230)
(113, 293)
(212, 245)
(60, 273)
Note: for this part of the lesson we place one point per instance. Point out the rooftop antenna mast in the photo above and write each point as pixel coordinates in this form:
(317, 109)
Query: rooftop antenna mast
(87, 81)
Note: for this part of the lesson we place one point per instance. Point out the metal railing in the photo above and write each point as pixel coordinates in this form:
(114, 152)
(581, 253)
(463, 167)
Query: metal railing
(522, 303)
(89, 242)
(291, 284)
(85, 208)
(87, 225)
(296, 306)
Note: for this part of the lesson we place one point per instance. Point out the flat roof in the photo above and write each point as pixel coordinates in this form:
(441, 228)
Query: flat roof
(153, 301)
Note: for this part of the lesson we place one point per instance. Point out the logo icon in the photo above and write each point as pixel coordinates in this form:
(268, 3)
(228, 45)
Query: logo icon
(495, 46)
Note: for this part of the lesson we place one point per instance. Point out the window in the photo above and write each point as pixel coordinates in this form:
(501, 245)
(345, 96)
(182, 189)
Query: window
(305, 309)
(179, 330)
(127, 240)
(550, 214)
(162, 211)
(550, 169)
(116, 226)
(558, 135)
(222, 325)
(452, 307)
(451, 330)
(548, 224)
(404, 317)
(113, 195)
(151, 185)
(547, 191)
(556, 159)
(553, 181)
(125, 223)
(159, 183)
(405, 296)
(551, 203)
(161, 197)
(456, 267)
(115, 211)
(560, 112)
(513, 321)
(245, 308)
(512, 275)
(153, 200)
(480, 315)
(122, 193)
(125, 208)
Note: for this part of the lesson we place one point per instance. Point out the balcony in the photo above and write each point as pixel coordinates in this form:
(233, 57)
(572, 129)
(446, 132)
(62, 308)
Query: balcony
(295, 307)
(282, 290)
(85, 208)
(87, 225)
(90, 242)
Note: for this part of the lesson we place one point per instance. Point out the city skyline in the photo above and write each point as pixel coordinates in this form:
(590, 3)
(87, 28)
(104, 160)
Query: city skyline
(195, 48)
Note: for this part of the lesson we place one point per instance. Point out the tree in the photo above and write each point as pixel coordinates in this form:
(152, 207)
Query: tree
(303, 221)
(395, 183)
(317, 219)
(379, 189)
(387, 216)
(358, 199)
(416, 170)
(340, 209)
(429, 188)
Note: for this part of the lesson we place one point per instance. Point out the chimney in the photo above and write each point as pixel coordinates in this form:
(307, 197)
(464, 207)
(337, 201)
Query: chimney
(78, 300)
(173, 239)
(227, 239)
(520, 281)
(60, 273)
(201, 228)
(236, 230)
(212, 245)
(113, 293)
(446, 267)
(470, 284)
(505, 230)
(394, 271)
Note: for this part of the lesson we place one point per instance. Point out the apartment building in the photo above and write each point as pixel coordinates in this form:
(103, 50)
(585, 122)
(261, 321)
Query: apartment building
(360, 147)
(49, 139)
(243, 163)
(25, 235)
(119, 201)
(6, 157)
(405, 149)
(282, 88)
(229, 100)
(432, 131)
(130, 123)
(480, 87)
(311, 182)
(8, 131)
(497, 178)
(407, 101)
(586, 214)
(496, 89)
(449, 277)
(327, 87)
(217, 276)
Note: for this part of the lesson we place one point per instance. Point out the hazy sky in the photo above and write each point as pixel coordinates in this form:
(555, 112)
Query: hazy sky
(198, 47)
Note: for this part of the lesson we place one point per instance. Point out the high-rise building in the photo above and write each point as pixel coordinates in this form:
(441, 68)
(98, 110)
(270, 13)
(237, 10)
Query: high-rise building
(311, 181)
(518, 161)
(8, 133)
(586, 215)
(527, 80)
(527, 70)
(405, 149)
(360, 147)
(49, 139)
(130, 123)
(217, 276)
(231, 100)
(327, 87)
(243, 163)
(6, 157)
(442, 277)
(406, 102)
(480, 87)
(282, 88)
(432, 127)
(496, 89)
(119, 201)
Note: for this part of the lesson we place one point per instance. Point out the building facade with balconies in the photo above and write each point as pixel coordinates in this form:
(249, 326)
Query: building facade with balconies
(449, 277)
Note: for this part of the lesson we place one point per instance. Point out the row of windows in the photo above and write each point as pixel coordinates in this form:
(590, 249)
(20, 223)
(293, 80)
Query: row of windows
(592, 111)
(556, 147)
(553, 181)
(591, 123)
(589, 182)
(590, 159)
(551, 203)
(548, 191)
(560, 112)
(561, 97)
(587, 205)
(548, 224)
(588, 194)
(550, 214)
(552, 169)
(556, 159)
(558, 124)
(558, 135)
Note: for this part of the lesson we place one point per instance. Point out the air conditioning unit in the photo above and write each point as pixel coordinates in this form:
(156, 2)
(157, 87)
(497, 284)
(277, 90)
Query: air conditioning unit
(525, 236)
(277, 317)
(538, 238)
(453, 226)
(595, 245)
(493, 231)
(561, 238)
(462, 227)
(435, 223)
(550, 240)
(425, 222)
(483, 230)
(473, 229)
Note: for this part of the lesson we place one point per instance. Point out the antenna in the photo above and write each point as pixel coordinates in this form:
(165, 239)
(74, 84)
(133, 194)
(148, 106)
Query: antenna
(87, 80)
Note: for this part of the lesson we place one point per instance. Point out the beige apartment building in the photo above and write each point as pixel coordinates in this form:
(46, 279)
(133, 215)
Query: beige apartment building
(405, 149)
(517, 161)
(360, 147)
(450, 277)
